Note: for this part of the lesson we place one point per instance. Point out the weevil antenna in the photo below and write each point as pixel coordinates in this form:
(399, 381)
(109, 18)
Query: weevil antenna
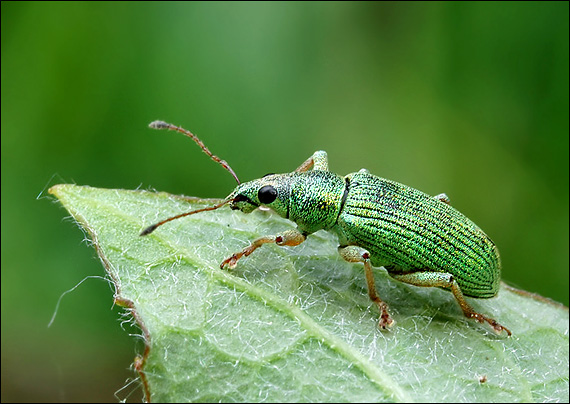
(152, 228)
(169, 126)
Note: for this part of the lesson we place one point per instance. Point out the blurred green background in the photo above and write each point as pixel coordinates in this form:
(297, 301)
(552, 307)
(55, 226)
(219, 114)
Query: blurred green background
(470, 99)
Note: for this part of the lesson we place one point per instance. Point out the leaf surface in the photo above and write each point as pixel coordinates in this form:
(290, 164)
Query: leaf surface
(295, 323)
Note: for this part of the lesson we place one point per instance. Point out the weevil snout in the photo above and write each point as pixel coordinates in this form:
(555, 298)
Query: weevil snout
(242, 202)
(272, 191)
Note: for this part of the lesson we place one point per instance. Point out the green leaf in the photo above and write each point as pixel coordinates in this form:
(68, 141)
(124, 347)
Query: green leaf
(295, 323)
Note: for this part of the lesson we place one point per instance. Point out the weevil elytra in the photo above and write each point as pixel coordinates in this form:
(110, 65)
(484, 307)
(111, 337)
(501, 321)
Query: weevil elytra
(419, 239)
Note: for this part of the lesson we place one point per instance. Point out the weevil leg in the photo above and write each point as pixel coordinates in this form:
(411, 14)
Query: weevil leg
(357, 254)
(318, 161)
(289, 238)
(445, 280)
(444, 198)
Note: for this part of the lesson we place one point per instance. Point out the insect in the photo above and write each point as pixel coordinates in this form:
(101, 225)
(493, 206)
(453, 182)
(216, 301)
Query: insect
(419, 239)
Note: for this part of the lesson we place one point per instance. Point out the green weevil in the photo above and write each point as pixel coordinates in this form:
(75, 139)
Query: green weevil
(419, 239)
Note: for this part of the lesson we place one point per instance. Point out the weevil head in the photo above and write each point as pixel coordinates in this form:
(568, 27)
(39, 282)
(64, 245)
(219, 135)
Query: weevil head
(272, 190)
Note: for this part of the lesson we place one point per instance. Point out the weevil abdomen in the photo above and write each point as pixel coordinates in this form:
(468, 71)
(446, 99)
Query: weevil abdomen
(406, 230)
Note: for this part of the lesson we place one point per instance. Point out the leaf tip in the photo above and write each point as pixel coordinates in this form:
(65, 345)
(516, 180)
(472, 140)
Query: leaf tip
(54, 190)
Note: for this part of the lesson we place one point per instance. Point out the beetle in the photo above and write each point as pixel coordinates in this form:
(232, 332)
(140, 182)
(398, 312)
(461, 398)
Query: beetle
(419, 239)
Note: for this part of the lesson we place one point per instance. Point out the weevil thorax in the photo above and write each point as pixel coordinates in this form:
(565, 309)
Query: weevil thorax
(311, 199)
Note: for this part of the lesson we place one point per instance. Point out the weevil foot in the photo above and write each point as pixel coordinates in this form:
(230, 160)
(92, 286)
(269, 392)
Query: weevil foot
(446, 280)
(231, 262)
(493, 323)
(386, 320)
(356, 254)
(289, 238)
(443, 198)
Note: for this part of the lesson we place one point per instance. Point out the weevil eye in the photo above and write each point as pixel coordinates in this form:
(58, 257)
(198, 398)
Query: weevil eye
(267, 194)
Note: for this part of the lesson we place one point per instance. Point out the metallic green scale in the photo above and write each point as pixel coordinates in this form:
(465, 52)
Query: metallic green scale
(406, 230)
(419, 239)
